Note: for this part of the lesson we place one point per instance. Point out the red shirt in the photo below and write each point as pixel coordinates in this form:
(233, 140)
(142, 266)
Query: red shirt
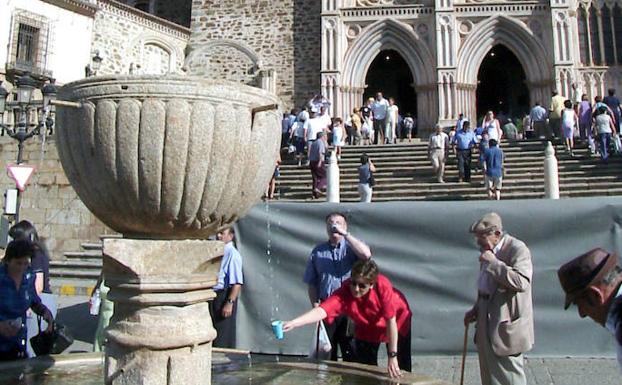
(371, 312)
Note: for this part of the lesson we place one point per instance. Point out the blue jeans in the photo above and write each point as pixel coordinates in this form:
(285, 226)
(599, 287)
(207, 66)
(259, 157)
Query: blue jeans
(604, 140)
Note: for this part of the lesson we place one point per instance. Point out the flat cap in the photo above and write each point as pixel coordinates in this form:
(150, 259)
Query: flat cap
(585, 270)
(489, 222)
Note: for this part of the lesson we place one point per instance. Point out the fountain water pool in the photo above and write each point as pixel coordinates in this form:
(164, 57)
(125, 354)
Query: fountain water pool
(230, 369)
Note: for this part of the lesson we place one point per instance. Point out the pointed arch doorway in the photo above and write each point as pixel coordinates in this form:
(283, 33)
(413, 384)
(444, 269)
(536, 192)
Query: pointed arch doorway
(501, 84)
(390, 74)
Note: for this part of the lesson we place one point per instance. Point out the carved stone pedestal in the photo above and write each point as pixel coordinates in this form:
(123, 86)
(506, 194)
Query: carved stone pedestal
(161, 332)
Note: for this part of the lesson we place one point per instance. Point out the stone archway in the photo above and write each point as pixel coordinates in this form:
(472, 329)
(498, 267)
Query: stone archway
(503, 92)
(150, 47)
(520, 40)
(389, 34)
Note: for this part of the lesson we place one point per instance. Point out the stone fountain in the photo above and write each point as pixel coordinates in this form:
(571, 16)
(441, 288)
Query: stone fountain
(167, 162)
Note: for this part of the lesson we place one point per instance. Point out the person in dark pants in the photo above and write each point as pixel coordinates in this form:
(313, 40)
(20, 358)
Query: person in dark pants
(223, 308)
(380, 314)
(328, 266)
(464, 140)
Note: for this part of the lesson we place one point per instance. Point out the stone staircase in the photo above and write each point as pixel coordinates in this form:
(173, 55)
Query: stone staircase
(78, 271)
(404, 173)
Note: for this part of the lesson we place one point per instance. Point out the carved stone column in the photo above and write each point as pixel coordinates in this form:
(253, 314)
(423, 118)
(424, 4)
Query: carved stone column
(161, 331)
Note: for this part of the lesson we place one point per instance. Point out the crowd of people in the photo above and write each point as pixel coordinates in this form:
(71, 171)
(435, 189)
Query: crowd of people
(359, 305)
(362, 309)
(379, 122)
(308, 132)
(570, 118)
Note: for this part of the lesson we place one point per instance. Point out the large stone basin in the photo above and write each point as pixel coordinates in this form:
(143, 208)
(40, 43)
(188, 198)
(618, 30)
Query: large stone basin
(168, 158)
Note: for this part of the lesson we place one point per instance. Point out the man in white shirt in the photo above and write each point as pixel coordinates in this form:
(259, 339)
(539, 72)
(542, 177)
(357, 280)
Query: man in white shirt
(315, 125)
(437, 152)
(537, 116)
(593, 282)
(379, 109)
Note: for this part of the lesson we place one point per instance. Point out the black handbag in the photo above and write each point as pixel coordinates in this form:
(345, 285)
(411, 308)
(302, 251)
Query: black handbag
(54, 342)
(372, 181)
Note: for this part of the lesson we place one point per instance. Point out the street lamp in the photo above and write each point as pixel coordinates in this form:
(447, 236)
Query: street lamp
(28, 116)
(92, 68)
(23, 108)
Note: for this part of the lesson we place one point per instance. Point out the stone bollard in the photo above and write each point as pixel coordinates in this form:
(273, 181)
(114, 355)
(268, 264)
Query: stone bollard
(551, 175)
(332, 171)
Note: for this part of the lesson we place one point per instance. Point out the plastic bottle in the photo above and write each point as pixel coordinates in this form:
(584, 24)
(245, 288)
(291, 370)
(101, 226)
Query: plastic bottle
(95, 302)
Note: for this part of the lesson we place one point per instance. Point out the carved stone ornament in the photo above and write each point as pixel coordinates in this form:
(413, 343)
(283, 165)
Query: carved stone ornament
(466, 27)
(170, 158)
(376, 3)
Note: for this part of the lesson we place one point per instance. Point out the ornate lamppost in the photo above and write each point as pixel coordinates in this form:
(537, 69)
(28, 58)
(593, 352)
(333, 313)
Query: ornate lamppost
(29, 116)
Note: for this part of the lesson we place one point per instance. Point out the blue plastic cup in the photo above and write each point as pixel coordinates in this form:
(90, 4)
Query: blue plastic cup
(277, 328)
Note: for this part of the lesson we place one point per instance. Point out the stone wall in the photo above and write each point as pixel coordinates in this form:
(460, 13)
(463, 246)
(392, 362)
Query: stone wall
(49, 201)
(284, 35)
(125, 38)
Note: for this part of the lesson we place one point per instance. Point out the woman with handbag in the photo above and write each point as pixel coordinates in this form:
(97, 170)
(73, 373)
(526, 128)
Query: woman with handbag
(380, 314)
(366, 178)
(17, 295)
(40, 266)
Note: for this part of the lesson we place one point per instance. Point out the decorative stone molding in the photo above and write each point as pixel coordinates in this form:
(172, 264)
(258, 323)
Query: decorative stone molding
(175, 53)
(144, 19)
(85, 8)
(353, 31)
(393, 12)
(376, 3)
(511, 33)
(195, 53)
(465, 27)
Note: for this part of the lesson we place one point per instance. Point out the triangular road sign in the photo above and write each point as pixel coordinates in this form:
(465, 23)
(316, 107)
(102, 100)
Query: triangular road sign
(21, 174)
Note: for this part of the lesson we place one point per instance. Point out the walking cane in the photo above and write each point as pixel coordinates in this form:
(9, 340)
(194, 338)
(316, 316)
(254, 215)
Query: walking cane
(464, 352)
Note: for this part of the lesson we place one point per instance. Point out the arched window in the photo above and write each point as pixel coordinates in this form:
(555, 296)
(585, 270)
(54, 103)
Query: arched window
(584, 54)
(617, 22)
(607, 35)
(594, 35)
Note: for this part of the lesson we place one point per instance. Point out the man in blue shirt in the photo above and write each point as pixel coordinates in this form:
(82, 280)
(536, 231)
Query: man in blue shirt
(494, 170)
(223, 308)
(328, 266)
(612, 101)
(464, 140)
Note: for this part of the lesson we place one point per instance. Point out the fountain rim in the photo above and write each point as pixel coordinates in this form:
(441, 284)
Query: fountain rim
(199, 86)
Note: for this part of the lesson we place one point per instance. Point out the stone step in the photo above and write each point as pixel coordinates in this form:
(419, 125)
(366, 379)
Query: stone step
(91, 245)
(75, 263)
(71, 272)
(84, 254)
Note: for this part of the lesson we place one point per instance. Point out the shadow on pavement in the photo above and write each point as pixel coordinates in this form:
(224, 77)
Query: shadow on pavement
(81, 324)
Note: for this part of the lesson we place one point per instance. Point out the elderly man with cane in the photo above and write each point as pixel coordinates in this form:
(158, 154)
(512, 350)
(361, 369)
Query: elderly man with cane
(503, 311)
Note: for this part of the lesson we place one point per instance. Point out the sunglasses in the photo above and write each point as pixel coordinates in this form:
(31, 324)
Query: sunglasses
(360, 285)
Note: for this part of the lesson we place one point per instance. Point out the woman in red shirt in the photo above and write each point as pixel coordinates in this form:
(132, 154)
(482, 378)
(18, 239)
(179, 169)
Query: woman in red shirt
(380, 313)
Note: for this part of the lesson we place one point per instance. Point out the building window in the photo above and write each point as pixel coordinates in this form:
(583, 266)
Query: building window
(29, 45)
(27, 41)
(143, 5)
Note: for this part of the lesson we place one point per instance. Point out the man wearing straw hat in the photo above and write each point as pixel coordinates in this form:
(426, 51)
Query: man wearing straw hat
(503, 311)
(593, 281)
